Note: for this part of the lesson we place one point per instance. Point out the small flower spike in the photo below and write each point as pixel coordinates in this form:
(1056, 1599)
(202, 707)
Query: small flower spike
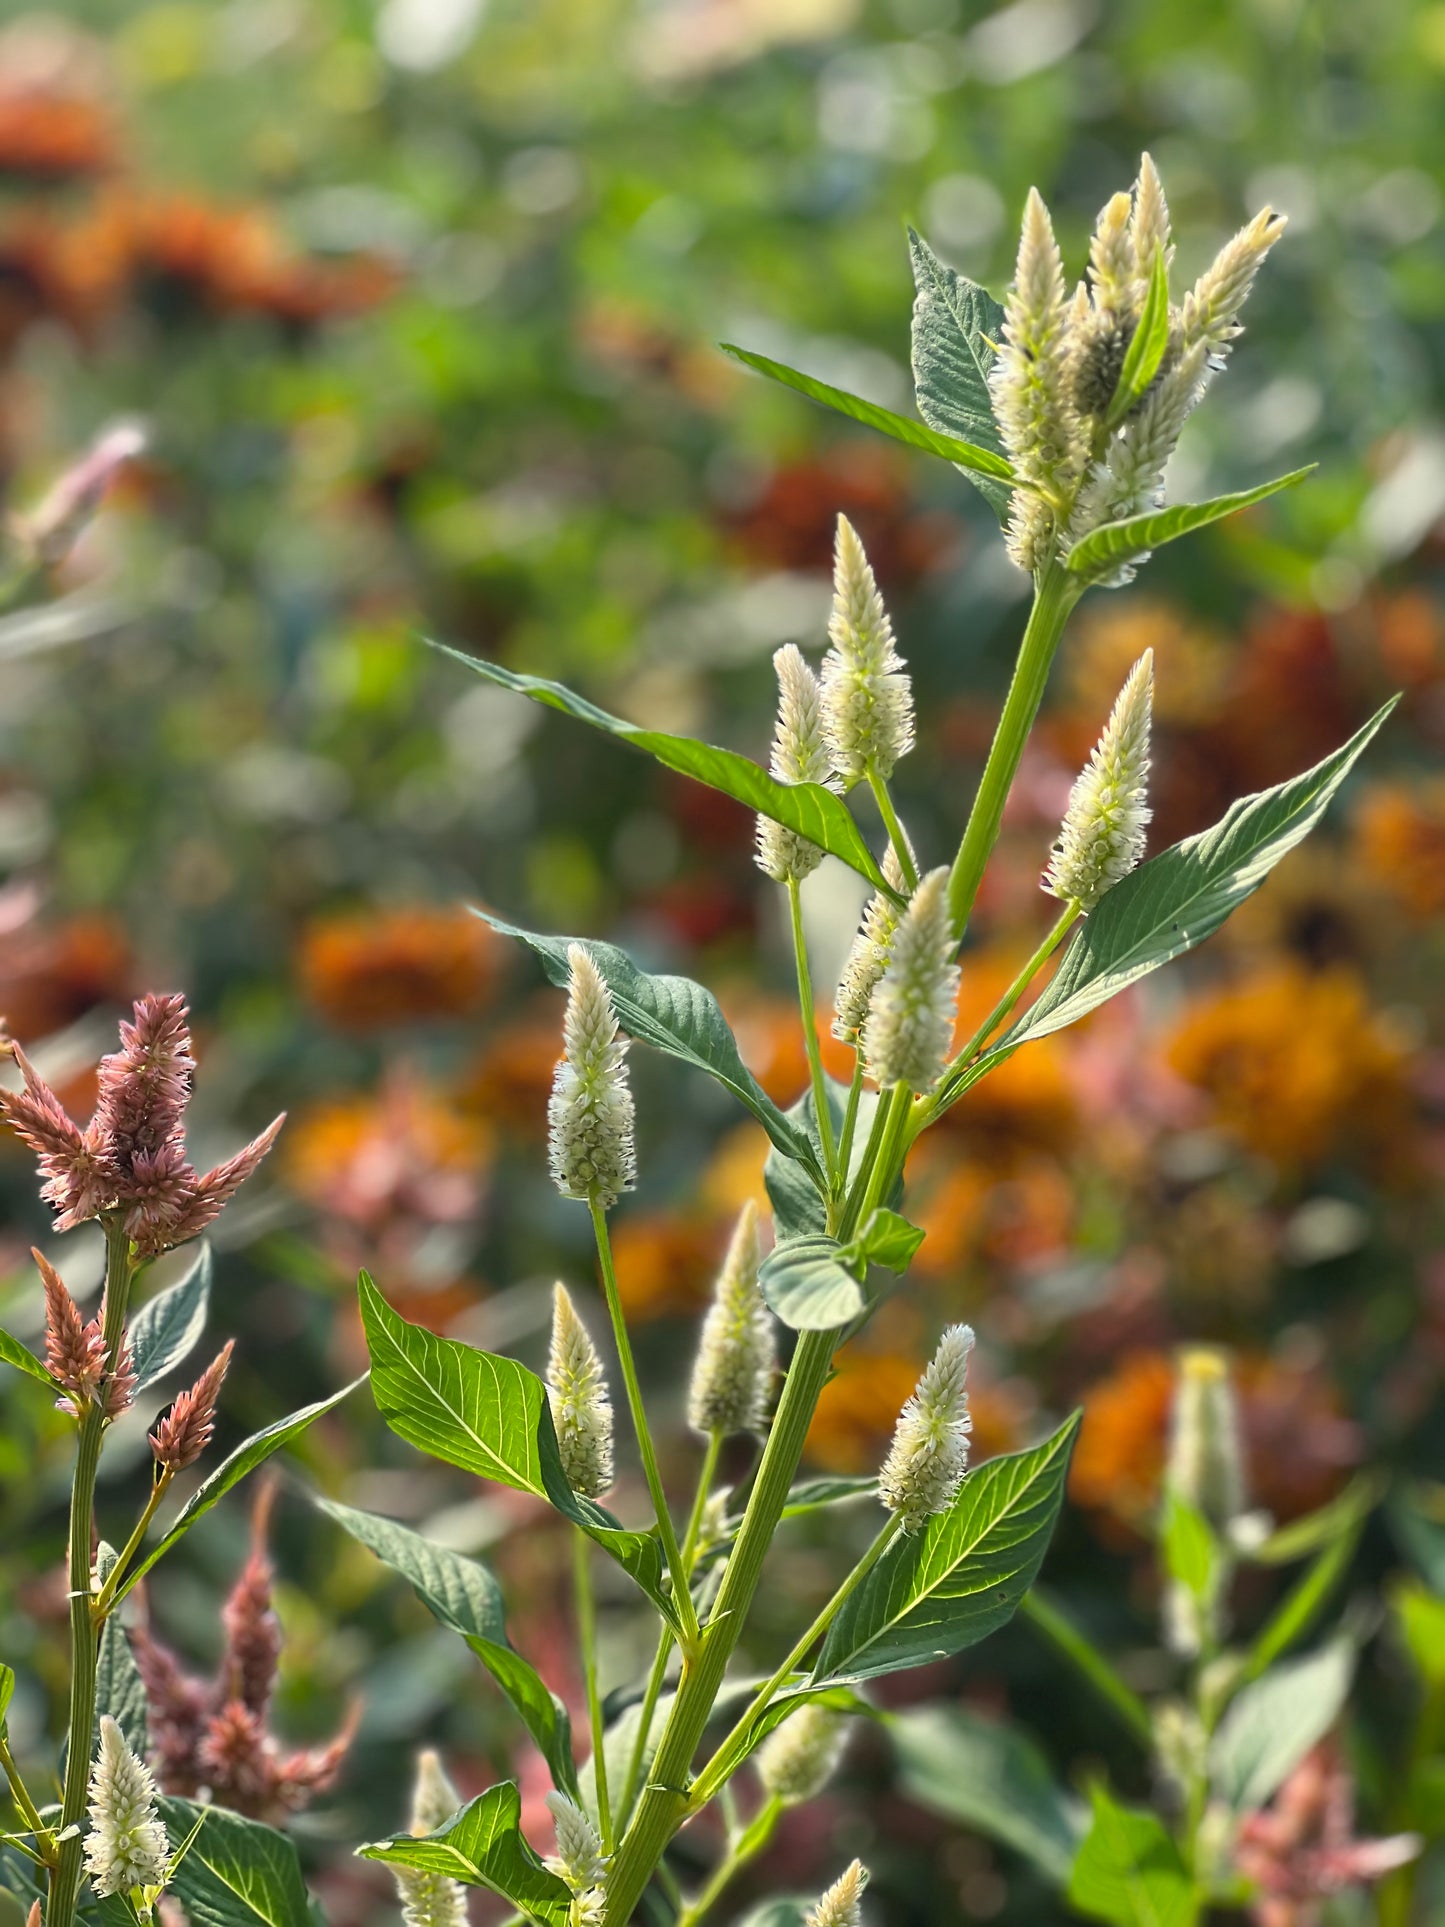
(867, 695)
(732, 1380)
(1210, 314)
(842, 1905)
(581, 1409)
(185, 1431)
(1206, 1459)
(929, 1454)
(911, 1012)
(868, 958)
(590, 1114)
(1102, 836)
(799, 1760)
(74, 1350)
(800, 755)
(579, 1859)
(126, 1847)
(431, 1899)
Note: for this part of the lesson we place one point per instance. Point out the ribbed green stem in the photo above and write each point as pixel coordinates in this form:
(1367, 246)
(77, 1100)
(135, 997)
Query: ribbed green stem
(587, 1641)
(896, 837)
(1055, 594)
(810, 1031)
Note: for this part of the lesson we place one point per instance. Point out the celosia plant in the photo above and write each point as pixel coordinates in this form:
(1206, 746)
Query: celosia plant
(1064, 410)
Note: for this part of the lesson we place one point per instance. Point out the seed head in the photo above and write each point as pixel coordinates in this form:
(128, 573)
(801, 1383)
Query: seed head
(593, 1151)
(1102, 836)
(431, 1899)
(800, 755)
(868, 958)
(1205, 1464)
(797, 1761)
(579, 1858)
(911, 1011)
(842, 1905)
(581, 1409)
(185, 1431)
(127, 1846)
(732, 1380)
(929, 1454)
(866, 693)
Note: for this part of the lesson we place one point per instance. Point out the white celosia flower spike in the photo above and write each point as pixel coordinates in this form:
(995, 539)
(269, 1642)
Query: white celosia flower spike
(1206, 1461)
(797, 1761)
(1102, 836)
(581, 1409)
(842, 1905)
(929, 1454)
(800, 755)
(590, 1113)
(126, 1847)
(1211, 308)
(868, 958)
(579, 1858)
(1149, 225)
(867, 695)
(732, 1380)
(431, 1899)
(1111, 258)
(911, 1011)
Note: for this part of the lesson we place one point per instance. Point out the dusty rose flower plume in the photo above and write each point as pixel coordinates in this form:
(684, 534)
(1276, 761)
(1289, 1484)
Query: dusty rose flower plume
(185, 1431)
(1303, 1848)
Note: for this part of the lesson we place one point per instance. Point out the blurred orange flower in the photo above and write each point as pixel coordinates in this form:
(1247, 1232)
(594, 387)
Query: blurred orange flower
(512, 1075)
(377, 967)
(48, 137)
(51, 975)
(1400, 842)
(1191, 667)
(1296, 1063)
(665, 1261)
(859, 1409)
(404, 1153)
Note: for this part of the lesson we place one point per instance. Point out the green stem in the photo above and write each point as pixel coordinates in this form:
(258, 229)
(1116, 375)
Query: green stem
(105, 1599)
(66, 1877)
(1091, 1663)
(810, 1030)
(20, 1794)
(876, 1178)
(723, 1762)
(895, 831)
(850, 1122)
(587, 1641)
(658, 1674)
(1055, 594)
(682, 1598)
(664, 1802)
(740, 1853)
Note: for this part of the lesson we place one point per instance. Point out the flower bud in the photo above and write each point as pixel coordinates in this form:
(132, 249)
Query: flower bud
(126, 1847)
(581, 1409)
(579, 1858)
(431, 1899)
(800, 755)
(1102, 836)
(842, 1905)
(590, 1113)
(185, 1431)
(867, 695)
(732, 1380)
(1205, 1456)
(929, 1454)
(911, 1011)
(797, 1761)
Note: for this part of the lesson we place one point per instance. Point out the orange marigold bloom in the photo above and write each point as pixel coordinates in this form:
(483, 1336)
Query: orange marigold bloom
(46, 137)
(1295, 1063)
(405, 1153)
(1400, 840)
(512, 1076)
(373, 968)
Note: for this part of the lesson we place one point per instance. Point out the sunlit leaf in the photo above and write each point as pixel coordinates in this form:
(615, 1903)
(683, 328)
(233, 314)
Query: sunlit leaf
(237, 1872)
(1146, 345)
(1104, 551)
(956, 328)
(1273, 1723)
(24, 1360)
(807, 1283)
(1129, 1870)
(483, 1846)
(166, 1329)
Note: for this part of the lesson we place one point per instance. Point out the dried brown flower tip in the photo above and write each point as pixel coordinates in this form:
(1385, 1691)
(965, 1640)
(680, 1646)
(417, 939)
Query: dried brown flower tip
(185, 1431)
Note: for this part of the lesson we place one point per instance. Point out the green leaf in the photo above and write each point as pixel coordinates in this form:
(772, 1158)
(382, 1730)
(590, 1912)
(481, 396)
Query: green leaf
(888, 1239)
(1177, 899)
(1302, 1605)
(484, 1847)
(238, 1873)
(779, 1913)
(490, 1416)
(815, 1495)
(937, 1591)
(964, 455)
(1191, 1551)
(464, 1596)
(247, 1456)
(1129, 1870)
(956, 325)
(990, 1777)
(798, 1205)
(807, 1283)
(1420, 1616)
(118, 1688)
(1417, 1519)
(1146, 345)
(1272, 1724)
(24, 1360)
(1340, 1517)
(1101, 553)
(165, 1331)
(809, 809)
(675, 1015)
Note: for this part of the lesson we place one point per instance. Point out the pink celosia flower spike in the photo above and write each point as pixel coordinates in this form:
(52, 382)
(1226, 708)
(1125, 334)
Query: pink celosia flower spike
(253, 1632)
(74, 1350)
(210, 1194)
(77, 1179)
(185, 1431)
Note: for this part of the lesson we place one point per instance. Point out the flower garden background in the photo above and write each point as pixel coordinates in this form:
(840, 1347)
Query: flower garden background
(419, 307)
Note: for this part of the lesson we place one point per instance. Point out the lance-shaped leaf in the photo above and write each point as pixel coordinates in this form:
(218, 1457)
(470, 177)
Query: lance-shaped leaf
(236, 1872)
(24, 1360)
(247, 1456)
(798, 1203)
(1177, 899)
(964, 455)
(956, 328)
(675, 1015)
(990, 1777)
(1146, 345)
(1104, 551)
(937, 1591)
(118, 1687)
(490, 1416)
(464, 1596)
(1273, 1723)
(808, 1284)
(483, 1846)
(809, 809)
(167, 1329)
(1129, 1870)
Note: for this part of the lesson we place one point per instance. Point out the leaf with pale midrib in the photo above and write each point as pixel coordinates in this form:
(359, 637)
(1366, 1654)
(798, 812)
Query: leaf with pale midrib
(24, 1360)
(806, 1284)
(237, 1873)
(1103, 551)
(168, 1327)
(490, 1416)
(1177, 899)
(483, 1845)
(954, 324)
(1129, 1870)
(1273, 1723)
